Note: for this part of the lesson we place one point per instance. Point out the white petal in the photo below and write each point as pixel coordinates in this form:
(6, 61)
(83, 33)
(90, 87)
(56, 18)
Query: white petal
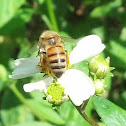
(77, 85)
(40, 85)
(25, 67)
(87, 47)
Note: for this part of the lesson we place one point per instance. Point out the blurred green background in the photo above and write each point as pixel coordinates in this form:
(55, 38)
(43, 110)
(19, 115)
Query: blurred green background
(22, 22)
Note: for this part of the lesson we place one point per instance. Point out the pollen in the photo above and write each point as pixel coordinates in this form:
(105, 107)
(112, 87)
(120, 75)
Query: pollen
(55, 94)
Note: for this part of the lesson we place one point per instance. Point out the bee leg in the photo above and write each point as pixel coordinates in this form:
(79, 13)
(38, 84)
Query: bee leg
(66, 53)
(41, 54)
(38, 53)
(39, 67)
(44, 74)
(55, 80)
(44, 52)
(67, 59)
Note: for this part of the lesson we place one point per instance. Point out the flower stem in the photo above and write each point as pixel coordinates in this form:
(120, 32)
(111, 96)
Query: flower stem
(17, 93)
(81, 110)
(52, 15)
(25, 101)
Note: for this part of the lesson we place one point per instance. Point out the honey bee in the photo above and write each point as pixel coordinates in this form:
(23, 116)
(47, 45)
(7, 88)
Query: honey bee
(54, 59)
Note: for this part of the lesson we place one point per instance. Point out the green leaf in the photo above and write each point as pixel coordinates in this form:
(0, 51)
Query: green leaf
(47, 21)
(100, 31)
(3, 76)
(12, 111)
(8, 9)
(71, 115)
(45, 112)
(111, 114)
(108, 81)
(121, 101)
(19, 21)
(123, 34)
(117, 52)
(40, 1)
(3, 73)
(82, 66)
(1, 124)
(34, 123)
(16, 114)
(105, 9)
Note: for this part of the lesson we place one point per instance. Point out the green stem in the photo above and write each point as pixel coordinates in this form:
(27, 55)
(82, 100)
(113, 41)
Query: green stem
(18, 94)
(52, 15)
(25, 101)
(81, 110)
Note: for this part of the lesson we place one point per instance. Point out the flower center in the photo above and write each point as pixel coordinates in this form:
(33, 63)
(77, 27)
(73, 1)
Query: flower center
(55, 94)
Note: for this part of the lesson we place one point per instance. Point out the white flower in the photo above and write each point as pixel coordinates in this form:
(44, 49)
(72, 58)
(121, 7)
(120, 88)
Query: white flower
(78, 86)
(25, 67)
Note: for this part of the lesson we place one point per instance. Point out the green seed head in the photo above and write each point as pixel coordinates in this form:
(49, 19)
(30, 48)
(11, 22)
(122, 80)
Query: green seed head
(99, 86)
(99, 66)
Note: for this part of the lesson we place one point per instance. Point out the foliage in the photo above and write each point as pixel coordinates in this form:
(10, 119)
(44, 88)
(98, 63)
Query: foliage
(110, 113)
(21, 23)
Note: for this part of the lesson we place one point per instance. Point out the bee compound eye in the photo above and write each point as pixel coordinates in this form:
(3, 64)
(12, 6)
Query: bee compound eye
(41, 39)
(52, 41)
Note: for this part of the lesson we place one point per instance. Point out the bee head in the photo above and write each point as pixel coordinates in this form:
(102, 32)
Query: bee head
(49, 38)
(52, 41)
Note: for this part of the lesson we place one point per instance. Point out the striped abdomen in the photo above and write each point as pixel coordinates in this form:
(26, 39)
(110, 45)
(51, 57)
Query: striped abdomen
(57, 60)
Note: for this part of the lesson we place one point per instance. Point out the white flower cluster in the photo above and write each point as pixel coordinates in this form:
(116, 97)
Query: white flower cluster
(77, 85)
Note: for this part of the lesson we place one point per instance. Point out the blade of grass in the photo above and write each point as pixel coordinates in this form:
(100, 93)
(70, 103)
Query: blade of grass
(52, 16)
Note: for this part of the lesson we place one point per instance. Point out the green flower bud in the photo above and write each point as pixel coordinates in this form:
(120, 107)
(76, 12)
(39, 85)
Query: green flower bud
(99, 66)
(99, 86)
(55, 94)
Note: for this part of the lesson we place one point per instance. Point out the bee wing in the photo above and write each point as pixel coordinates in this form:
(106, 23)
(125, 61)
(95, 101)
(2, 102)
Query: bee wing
(67, 39)
(34, 48)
